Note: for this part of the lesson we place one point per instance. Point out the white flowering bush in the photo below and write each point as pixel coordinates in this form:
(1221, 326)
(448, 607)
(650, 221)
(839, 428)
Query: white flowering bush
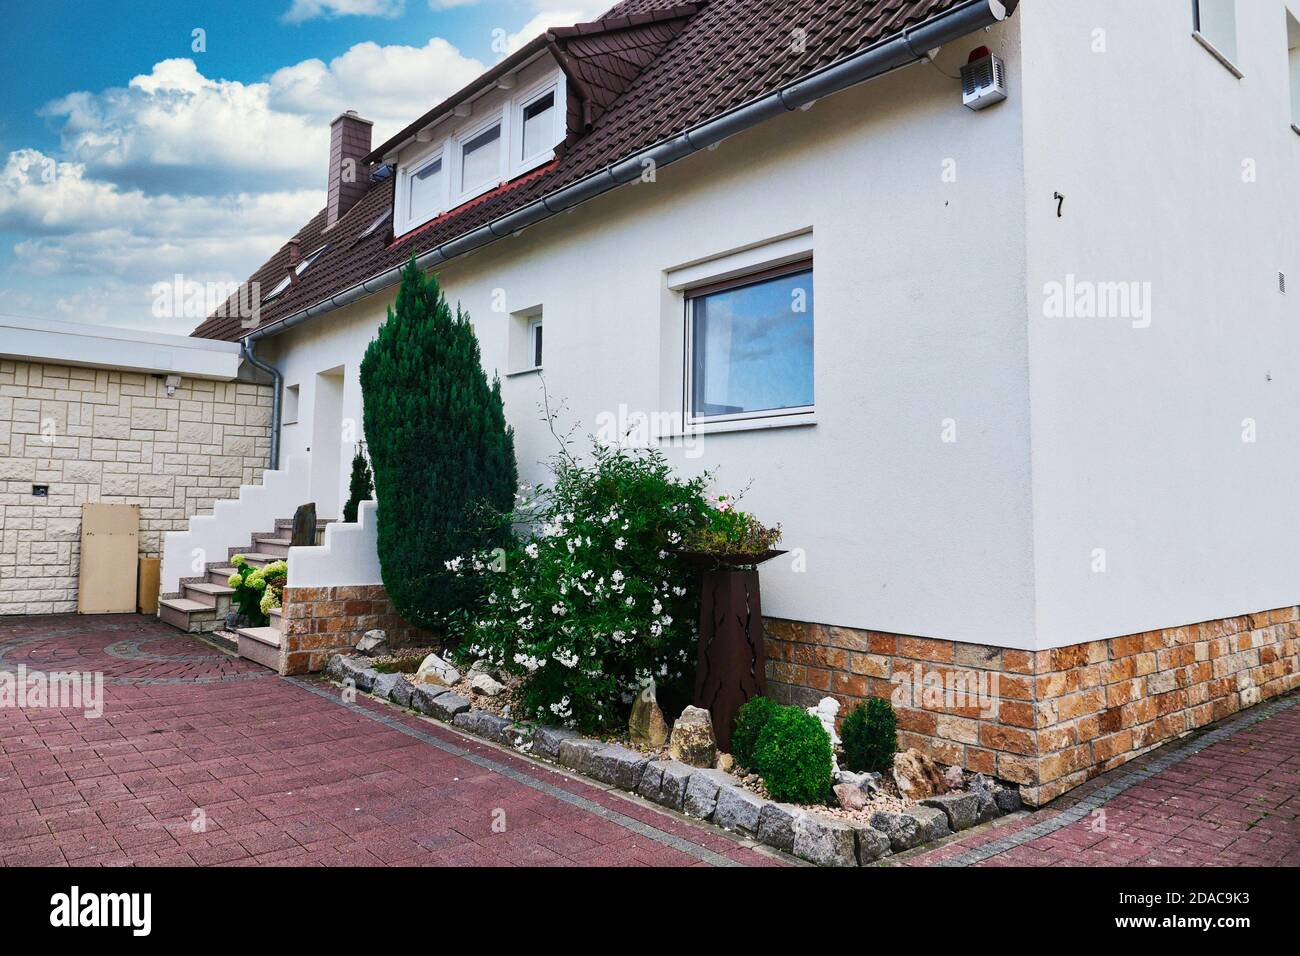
(594, 603)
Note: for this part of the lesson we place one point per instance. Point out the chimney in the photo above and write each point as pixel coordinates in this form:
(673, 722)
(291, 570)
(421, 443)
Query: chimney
(349, 145)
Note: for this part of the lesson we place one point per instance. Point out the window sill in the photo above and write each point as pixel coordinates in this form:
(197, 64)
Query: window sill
(746, 425)
(524, 371)
(1214, 51)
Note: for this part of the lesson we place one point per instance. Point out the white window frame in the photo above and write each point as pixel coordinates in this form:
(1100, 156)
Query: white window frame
(555, 86)
(1293, 66)
(403, 220)
(793, 415)
(459, 193)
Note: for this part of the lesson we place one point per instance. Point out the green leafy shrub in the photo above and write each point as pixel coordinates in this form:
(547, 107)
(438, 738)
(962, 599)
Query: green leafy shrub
(750, 721)
(443, 457)
(254, 585)
(594, 603)
(793, 756)
(361, 486)
(870, 736)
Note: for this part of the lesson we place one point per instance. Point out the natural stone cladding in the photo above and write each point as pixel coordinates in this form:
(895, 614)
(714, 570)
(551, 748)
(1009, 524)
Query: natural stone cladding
(96, 435)
(1056, 717)
(317, 623)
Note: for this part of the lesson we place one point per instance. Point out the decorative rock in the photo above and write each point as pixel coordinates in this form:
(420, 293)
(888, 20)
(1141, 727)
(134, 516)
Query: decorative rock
(574, 753)
(434, 670)
(365, 678)
(618, 766)
(485, 685)
(481, 666)
(725, 762)
(373, 642)
(651, 780)
(401, 692)
(932, 823)
(825, 711)
(866, 782)
(692, 741)
(961, 809)
(646, 725)
(467, 720)
(872, 845)
(738, 809)
(953, 777)
(849, 796)
(825, 841)
(674, 778)
(917, 776)
(547, 740)
(776, 825)
(348, 668)
(337, 667)
(1008, 800)
(384, 684)
(982, 788)
(438, 702)
(497, 728)
(902, 830)
(702, 792)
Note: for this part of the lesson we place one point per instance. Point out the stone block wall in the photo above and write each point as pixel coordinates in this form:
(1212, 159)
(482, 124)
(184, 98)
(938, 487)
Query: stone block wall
(1047, 720)
(96, 435)
(317, 623)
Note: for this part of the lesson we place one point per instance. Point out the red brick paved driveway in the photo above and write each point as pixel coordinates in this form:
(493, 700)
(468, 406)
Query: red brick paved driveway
(1228, 797)
(201, 758)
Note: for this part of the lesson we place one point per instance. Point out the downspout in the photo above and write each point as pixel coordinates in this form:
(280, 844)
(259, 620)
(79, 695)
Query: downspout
(247, 347)
(898, 50)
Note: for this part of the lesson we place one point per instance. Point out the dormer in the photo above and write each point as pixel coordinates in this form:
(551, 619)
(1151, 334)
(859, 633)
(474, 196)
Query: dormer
(518, 115)
(511, 127)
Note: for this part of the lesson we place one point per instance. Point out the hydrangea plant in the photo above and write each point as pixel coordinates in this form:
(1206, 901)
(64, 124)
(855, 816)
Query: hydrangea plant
(257, 590)
(593, 603)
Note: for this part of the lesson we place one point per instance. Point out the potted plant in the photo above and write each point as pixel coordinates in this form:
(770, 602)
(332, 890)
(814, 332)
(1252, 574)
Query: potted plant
(728, 548)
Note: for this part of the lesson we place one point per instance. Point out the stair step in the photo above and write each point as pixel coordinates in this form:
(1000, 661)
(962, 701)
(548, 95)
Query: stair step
(263, 635)
(207, 593)
(185, 605)
(260, 644)
(258, 558)
(278, 542)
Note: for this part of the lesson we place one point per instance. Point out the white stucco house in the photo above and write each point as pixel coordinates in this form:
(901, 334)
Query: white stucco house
(1036, 415)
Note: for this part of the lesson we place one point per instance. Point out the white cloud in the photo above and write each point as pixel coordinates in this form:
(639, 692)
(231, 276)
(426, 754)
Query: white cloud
(302, 10)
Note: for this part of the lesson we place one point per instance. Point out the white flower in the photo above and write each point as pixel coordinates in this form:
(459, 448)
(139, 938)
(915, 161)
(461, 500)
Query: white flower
(620, 544)
(567, 658)
(656, 608)
(531, 549)
(559, 610)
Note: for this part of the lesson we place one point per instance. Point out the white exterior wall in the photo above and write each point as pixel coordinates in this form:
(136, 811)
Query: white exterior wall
(919, 317)
(1137, 432)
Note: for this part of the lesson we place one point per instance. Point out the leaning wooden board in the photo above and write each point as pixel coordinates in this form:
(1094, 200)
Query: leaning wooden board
(110, 547)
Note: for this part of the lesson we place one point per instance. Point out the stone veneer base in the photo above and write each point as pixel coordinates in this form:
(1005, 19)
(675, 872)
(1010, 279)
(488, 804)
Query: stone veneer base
(317, 623)
(1056, 717)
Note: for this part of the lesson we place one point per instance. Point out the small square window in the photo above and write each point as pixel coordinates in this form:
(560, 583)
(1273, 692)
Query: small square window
(750, 345)
(289, 414)
(480, 159)
(535, 342)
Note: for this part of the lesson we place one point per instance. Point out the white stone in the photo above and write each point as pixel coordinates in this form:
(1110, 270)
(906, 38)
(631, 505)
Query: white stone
(434, 670)
(825, 711)
(484, 684)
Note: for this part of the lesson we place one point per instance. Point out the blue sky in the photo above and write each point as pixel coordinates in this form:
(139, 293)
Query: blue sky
(128, 156)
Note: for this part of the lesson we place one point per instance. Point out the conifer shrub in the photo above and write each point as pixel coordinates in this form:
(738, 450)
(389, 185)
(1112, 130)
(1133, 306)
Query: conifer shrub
(750, 721)
(442, 454)
(361, 486)
(870, 736)
(793, 756)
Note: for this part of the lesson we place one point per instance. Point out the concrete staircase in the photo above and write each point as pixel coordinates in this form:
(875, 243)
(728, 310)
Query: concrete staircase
(202, 604)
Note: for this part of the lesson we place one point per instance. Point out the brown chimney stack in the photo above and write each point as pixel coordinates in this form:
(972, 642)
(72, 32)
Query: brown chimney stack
(349, 175)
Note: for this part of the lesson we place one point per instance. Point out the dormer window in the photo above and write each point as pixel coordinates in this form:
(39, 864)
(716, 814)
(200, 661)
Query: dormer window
(504, 134)
(298, 270)
(538, 126)
(480, 160)
(427, 192)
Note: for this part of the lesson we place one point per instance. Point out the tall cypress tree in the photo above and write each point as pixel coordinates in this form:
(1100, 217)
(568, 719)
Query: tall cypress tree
(442, 455)
(361, 487)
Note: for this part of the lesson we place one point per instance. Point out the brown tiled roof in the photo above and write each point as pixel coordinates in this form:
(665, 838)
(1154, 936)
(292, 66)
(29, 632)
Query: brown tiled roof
(651, 69)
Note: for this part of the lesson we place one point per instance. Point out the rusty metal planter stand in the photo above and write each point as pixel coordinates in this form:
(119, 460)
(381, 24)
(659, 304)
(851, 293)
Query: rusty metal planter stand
(731, 665)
